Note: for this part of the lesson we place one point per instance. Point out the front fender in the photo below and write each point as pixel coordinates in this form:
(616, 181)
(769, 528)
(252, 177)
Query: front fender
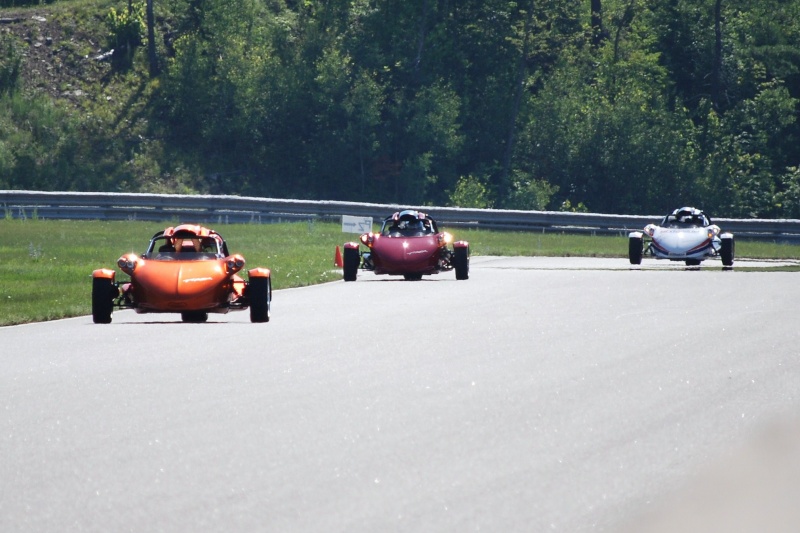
(104, 273)
(259, 272)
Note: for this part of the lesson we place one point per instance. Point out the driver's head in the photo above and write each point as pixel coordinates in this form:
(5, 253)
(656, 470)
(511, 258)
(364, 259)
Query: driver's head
(190, 244)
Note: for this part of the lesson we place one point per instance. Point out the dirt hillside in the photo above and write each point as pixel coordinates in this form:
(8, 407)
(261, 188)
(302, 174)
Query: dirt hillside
(60, 57)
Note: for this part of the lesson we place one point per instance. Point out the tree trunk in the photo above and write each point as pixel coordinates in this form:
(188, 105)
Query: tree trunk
(522, 72)
(597, 22)
(423, 23)
(716, 69)
(151, 40)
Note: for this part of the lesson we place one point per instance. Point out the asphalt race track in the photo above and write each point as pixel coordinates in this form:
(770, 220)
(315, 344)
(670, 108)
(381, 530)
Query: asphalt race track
(540, 395)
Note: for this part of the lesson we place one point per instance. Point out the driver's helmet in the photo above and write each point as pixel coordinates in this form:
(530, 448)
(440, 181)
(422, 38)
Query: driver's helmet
(408, 220)
(686, 214)
(407, 214)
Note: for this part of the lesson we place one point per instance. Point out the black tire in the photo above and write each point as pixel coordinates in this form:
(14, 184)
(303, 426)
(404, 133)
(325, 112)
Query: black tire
(635, 250)
(194, 317)
(727, 252)
(693, 262)
(103, 292)
(461, 262)
(414, 276)
(350, 261)
(260, 291)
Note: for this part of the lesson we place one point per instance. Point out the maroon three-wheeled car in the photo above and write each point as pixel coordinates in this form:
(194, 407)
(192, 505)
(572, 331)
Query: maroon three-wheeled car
(409, 244)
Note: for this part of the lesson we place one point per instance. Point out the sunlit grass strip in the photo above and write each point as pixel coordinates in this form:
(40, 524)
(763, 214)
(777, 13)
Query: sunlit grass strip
(46, 265)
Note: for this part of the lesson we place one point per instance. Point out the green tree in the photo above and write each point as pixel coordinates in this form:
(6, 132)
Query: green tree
(363, 105)
(434, 143)
(530, 194)
(601, 130)
(470, 192)
(746, 149)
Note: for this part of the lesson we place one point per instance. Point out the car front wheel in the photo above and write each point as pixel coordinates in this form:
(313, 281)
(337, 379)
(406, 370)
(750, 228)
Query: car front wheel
(635, 250)
(102, 300)
(461, 263)
(727, 252)
(350, 263)
(260, 292)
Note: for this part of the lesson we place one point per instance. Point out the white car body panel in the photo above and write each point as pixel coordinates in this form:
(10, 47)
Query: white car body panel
(684, 243)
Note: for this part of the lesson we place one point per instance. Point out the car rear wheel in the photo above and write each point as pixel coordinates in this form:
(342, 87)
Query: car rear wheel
(102, 300)
(461, 263)
(415, 276)
(635, 250)
(727, 252)
(692, 262)
(350, 263)
(260, 291)
(194, 317)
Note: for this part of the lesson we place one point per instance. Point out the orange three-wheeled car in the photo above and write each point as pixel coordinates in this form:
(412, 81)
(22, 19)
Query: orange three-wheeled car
(186, 269)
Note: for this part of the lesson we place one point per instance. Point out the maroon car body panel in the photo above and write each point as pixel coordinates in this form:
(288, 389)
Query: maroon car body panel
(400, 255)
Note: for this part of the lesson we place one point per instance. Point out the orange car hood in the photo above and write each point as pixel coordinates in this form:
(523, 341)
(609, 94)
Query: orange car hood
(179, 278)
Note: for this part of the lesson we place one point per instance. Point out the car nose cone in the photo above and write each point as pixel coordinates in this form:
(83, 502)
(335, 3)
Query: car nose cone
(178, 281)
(680, 241)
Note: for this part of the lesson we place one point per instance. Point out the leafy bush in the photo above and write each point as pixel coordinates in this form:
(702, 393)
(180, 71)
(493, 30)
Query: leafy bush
(10, 63)
(530, 194)
(472, 193)
(126, 29)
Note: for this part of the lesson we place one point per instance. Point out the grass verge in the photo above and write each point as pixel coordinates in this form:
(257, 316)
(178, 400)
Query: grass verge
(46, 265)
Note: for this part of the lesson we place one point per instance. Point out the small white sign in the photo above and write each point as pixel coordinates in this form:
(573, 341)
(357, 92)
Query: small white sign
(356, 224)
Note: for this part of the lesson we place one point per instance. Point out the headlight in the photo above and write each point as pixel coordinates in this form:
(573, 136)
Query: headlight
(128, 263)
(368, 239)
(445, 238)
(234, 264)
(650, 229)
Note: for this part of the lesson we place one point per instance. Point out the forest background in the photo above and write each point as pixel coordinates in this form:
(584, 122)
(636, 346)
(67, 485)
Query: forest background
(609, 106)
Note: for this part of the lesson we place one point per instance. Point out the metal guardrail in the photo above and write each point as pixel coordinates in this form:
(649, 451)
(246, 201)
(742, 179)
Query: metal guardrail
(243, 209)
